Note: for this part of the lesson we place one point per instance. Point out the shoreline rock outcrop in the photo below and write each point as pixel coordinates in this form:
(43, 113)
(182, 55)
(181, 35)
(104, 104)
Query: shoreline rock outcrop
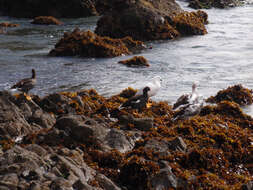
(236, 93)
(81, 140)
(88, 44)
(151, 20)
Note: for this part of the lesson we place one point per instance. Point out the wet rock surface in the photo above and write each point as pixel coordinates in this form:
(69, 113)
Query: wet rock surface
(56, 8)
(207, 4)
(81, 140)
(149, 20)
(46, 20)
(136, 61)
(236, 93)
(88, 44)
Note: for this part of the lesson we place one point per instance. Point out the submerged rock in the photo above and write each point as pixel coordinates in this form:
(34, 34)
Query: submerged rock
(88, 44)
(46, 20)
(136, 61)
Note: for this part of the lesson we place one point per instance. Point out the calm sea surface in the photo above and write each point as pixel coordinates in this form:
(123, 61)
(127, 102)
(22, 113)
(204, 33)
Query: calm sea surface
(217, 60)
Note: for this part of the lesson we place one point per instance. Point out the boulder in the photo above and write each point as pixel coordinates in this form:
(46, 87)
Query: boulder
(46, 20)
(236, 93)
(140, 23)
(117, 139)
(165, 179)
(149, 20)
(88, 44)
(207, 4)
(56, 8)
(81, 128)
(190, 23)
(136, 61)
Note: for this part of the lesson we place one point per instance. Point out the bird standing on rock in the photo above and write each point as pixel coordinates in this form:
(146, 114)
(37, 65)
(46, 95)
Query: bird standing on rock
(188, 111)
(26, 84)
(138, 101)
(189, 98)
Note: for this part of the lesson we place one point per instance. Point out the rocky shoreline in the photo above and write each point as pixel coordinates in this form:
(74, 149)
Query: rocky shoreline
(81, 140)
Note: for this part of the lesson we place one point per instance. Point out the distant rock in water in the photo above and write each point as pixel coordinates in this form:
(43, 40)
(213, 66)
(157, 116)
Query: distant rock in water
(7, 24)
(236, 93)
(58, 8)
(150, 20)
(88, 44)
(207, 4)
(46, 20)
(136, 61)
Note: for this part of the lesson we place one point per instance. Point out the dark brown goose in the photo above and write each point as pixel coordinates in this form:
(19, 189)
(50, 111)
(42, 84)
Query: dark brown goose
(138, 101)
(26, 84)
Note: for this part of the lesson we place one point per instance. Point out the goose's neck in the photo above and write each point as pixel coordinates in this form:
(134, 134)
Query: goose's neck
(33, 74)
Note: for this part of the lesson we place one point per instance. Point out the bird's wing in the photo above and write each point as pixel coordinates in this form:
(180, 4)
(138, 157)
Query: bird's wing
(184, 99)
(20, 83)
(131, 100)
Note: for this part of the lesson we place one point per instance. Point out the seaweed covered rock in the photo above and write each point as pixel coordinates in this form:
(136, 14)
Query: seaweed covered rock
(150, 20)
(46, 20)
(236, 93)
(88, 149)
(142, 21)
(7, 24)
(190, 23)
(136, 61)
(56, 8)
(207, 4)
(88, 44)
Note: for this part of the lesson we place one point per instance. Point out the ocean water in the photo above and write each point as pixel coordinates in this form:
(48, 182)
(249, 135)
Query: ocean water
(221, 58)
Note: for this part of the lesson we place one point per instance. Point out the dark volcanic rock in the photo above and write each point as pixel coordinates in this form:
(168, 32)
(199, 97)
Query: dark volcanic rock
(81, 128)
(190, 23)
(236, 93)
(56, 8)
(46, 20)
(165, 179)
(12, 121)
(86, 149)
(136, 61)
(207, 4)
(140, 23)
(149, 20)
(88, 44)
